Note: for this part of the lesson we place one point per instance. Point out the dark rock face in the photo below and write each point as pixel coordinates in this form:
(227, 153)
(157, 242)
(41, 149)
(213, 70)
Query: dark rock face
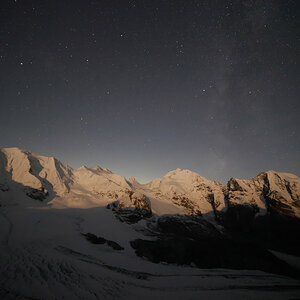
(3, 187)
(177, 237)
(276, 204)
(131, 216)
(184, 239)
(210, 253)
(233, 185)
(187, 227)
(36, 194)
(271, 231)
(132, 210)
(113, 206)
(239, 217)
(98, 240)
(140, 201)
(190, 206)
(192, 240)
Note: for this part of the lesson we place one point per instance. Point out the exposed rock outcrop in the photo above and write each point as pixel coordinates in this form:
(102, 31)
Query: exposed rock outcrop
(100, 241)
(133, 208)
(36, 194)
(211, 253)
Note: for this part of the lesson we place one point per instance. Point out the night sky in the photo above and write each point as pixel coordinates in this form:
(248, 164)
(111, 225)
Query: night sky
(143, 87)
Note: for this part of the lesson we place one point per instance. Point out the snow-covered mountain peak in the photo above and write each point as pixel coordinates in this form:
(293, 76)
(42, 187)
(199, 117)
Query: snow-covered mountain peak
(187, 190)
(179, 191)
(35, 171)
(283, 176)
(133, 181)
(82, 168)
(182, 177)
(179, 172)
(268, 191)
(42, 177)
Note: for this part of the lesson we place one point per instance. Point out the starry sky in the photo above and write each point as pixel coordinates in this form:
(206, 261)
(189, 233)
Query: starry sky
(143, 87)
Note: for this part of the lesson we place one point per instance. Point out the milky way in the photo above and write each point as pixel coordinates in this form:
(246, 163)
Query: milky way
(144, 87)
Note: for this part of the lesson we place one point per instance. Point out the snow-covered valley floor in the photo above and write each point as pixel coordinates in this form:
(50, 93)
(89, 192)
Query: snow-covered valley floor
(45, 256)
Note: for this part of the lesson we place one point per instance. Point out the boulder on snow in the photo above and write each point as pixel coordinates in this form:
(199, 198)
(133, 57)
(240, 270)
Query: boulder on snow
(94, 239)
(98, 240)
(114, 245)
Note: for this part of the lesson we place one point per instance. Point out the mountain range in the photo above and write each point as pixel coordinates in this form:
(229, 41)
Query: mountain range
(88, 233)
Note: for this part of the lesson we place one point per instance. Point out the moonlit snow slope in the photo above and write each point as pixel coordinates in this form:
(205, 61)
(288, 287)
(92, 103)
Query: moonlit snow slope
(45, 256)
